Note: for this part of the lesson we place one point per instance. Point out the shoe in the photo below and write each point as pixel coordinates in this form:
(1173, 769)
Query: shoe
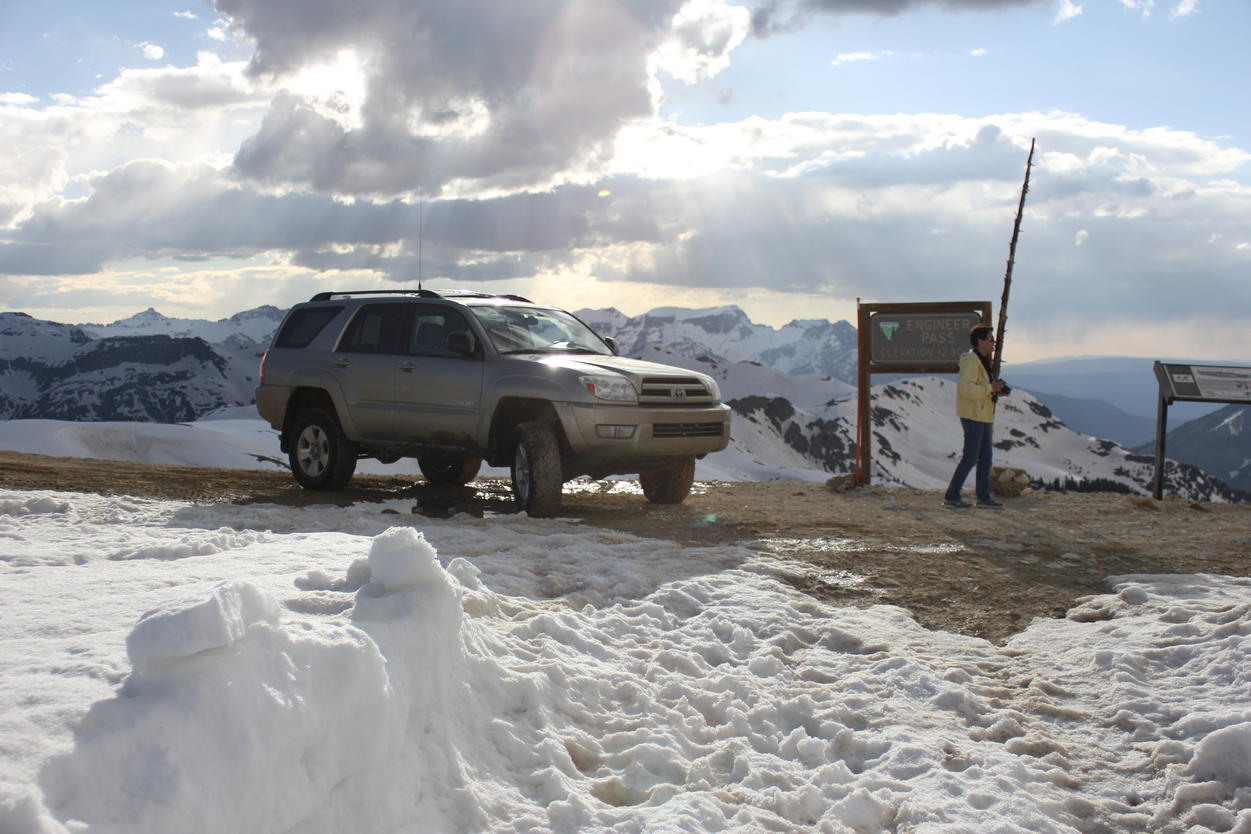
(989, 505)
(956, 503)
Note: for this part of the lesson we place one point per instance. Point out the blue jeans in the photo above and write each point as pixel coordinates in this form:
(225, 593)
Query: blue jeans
(977, 450)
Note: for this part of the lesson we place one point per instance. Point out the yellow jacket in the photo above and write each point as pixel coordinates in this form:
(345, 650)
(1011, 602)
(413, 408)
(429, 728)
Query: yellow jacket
(973, 400)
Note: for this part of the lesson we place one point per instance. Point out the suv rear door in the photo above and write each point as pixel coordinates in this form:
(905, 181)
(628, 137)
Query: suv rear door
(365, 365)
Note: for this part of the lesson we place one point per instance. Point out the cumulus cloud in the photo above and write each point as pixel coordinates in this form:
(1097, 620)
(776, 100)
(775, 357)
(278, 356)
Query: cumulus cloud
(173, 113)
(1144, 7)
(840, 227)
(702, 35)
(1184, 8)
(210, 84)
(535, 137)
(531, 100)
(170, 113)
(151, 51)
(149, 208)
(1067, 11)
(28, 175)
(872, 206)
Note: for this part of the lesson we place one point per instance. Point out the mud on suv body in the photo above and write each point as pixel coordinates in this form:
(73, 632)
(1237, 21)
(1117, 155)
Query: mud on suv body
(456, 378)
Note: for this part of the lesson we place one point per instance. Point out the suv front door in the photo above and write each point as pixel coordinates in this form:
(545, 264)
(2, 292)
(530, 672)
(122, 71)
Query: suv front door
(438, 391)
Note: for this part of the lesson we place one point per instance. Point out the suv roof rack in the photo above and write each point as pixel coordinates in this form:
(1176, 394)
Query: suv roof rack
(329, 294)
(480, 294)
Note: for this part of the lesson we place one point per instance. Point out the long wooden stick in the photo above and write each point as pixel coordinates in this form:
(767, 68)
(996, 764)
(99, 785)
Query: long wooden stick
(1007, 277)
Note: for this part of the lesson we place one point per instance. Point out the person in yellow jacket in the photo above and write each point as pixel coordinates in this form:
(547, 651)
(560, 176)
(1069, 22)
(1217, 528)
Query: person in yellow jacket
(975, 405)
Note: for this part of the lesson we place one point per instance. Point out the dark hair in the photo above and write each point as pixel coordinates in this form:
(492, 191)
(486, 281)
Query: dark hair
(976, 334)
(979, 332)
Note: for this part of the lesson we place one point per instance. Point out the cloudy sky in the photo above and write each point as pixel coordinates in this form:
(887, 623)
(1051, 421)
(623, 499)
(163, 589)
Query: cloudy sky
(787, 156)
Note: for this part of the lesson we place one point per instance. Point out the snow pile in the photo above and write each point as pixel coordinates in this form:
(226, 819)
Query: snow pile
(1161, 684)
(335, 669)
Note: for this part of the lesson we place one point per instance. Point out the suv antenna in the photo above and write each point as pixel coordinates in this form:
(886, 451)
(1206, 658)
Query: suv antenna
(419, 235)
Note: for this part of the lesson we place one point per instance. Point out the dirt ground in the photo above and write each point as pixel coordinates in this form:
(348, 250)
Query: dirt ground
(976, 572)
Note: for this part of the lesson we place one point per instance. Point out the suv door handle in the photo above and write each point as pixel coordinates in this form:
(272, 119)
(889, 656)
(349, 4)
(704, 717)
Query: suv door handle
(343, 362)
(407, 367)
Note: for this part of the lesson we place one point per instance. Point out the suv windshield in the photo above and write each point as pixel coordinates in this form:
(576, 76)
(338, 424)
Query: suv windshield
(537, 330)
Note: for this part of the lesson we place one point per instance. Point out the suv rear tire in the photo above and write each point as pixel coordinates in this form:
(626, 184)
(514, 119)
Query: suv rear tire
(321, 457)
(449, 471)
(670, 485)
(536, 470)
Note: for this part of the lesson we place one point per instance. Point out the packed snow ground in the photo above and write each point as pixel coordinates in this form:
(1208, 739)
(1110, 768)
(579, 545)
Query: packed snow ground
(167, 667)
(172, 667)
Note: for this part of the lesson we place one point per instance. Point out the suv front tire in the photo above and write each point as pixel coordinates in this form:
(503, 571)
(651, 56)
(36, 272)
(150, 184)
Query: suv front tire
(670, 485)
(321, 457)
(536, 470)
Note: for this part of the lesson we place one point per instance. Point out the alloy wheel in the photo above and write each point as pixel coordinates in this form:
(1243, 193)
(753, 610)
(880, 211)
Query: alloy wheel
(313, 451)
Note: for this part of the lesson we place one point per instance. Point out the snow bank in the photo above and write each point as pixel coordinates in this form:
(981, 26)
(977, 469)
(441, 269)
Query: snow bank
(332, 670)
(231, 721)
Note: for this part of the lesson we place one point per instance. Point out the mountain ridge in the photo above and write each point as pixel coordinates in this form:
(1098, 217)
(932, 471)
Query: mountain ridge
(791, 390)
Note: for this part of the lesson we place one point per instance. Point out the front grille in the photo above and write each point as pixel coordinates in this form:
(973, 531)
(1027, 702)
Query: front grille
(676, 390)
(672, 430)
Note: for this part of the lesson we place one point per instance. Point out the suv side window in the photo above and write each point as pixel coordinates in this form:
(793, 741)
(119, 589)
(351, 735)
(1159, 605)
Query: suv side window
(430, 328)
(376, 328)
(303, 325)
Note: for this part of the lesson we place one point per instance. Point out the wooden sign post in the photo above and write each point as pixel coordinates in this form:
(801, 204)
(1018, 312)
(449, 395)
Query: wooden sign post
(907, 338)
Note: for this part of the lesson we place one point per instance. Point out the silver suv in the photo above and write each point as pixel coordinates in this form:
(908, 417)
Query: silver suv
(454, 378)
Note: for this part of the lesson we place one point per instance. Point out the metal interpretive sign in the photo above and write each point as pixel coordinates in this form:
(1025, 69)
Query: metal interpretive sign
(1194, 383)
(1217, 383)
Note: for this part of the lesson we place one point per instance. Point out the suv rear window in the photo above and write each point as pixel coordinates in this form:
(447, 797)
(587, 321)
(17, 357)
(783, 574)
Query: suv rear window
(303, 325)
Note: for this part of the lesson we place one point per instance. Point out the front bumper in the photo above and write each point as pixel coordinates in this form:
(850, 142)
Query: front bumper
(658, 433)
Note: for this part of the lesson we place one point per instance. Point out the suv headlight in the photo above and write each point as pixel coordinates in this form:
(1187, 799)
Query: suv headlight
(609, 387)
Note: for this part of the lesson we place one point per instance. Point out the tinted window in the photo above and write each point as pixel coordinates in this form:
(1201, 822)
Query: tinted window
(376, 328)
(430, 328)
(303, 325)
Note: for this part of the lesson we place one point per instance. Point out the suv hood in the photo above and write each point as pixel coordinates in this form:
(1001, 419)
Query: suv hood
(635, 368)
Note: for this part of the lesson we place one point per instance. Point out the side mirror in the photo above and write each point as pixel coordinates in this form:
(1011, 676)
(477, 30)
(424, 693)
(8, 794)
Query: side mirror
(458, 342)
(612, 345)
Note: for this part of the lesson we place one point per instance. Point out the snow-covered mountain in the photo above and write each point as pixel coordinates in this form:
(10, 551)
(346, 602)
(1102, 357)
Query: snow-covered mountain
(803, 427)
(1027, 436)
(794, 405)
(256, 325)
(147, 367)
(725, 334)
(1219, 442)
